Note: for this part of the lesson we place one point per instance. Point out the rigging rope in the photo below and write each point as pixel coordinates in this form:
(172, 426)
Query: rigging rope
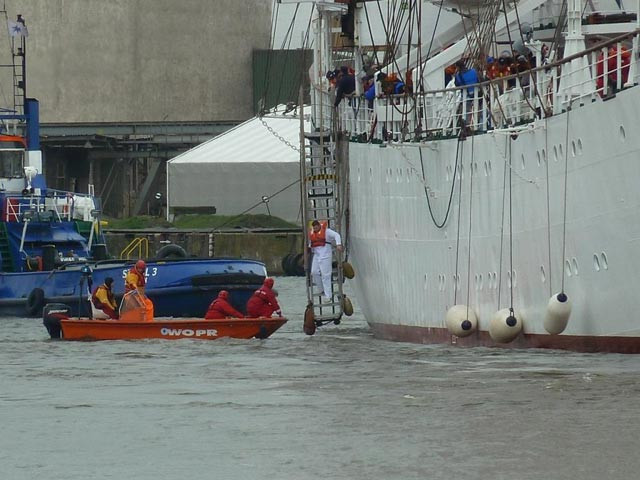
(566, 177)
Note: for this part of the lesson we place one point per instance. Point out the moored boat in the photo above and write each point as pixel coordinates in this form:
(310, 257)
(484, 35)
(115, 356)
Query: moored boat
(49, 237)
(501, 211)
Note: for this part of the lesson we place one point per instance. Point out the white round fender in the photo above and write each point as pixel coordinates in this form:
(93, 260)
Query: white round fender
(461, 320)
(504, 326)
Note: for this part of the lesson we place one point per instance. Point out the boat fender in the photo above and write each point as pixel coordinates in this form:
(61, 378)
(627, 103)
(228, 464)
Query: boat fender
(298, 265)
(504, 327)
(461, 320)
(284, 263)
(52, 313)
(347, 306)
(348, 270)
(309, 325)
(171, 250)
(557, 315)
(35, 302)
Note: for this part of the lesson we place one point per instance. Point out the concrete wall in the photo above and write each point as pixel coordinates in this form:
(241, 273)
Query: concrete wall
(95, 61)
(268, 247)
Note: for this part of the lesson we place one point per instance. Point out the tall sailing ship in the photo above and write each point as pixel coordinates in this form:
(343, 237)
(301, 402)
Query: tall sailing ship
(503, 213)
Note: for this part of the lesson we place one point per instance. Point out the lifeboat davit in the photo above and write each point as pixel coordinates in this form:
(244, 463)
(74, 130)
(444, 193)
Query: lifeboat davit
(557, 315)
(505, 326)
(461, 320)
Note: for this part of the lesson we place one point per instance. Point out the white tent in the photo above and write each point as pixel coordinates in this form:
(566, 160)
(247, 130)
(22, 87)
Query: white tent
(236, 170)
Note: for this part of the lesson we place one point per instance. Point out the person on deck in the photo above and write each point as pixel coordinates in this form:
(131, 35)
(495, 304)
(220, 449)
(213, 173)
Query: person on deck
(221, 308)
(263, 302)
(321, 238)
(345, 85)
(103, 299)
(135, 279)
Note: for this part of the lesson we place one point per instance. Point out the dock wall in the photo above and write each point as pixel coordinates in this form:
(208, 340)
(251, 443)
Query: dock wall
(269, 246)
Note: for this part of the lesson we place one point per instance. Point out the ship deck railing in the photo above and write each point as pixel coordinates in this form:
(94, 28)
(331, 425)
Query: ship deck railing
(53, 205)
(593, 75)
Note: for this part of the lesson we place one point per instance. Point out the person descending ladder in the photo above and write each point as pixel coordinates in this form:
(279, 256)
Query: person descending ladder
(322, 213)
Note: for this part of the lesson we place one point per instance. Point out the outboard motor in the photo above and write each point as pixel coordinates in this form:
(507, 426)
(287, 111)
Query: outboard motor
(52, 313)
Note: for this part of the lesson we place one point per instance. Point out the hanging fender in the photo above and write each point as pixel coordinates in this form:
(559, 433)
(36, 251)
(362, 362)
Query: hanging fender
(461, 320)
(557, 314)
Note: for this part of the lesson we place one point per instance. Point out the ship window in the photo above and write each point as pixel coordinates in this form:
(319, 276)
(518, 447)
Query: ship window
(11, 163)
(538, 156)
(579, 147)
(623, 135)
(596, 262)
(605, 261)
(543, 274)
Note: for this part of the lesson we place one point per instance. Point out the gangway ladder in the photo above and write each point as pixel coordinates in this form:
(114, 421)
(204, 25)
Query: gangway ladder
(321, 202)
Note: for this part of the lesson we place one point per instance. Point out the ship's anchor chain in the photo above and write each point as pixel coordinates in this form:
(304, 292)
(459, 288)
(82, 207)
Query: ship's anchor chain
(279, 137)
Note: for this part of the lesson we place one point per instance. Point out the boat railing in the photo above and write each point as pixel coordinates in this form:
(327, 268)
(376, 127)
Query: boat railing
(54, 205)
(593, 75)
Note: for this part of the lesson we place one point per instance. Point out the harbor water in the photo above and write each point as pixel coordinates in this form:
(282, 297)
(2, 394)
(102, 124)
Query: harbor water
(338, 405)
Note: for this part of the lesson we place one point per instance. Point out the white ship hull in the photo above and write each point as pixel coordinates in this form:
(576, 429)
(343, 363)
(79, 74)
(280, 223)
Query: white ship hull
(407, 267)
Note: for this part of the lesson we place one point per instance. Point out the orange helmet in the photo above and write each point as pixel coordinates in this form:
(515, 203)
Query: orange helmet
(140, 265)
(223, 294)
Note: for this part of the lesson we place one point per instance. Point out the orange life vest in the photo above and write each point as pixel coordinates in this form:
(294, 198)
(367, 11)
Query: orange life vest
(318, 239)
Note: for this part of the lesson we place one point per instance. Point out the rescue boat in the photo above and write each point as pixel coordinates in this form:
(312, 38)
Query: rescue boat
(136, 325)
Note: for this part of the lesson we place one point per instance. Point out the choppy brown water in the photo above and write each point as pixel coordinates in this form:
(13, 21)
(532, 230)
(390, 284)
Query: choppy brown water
(339, 405)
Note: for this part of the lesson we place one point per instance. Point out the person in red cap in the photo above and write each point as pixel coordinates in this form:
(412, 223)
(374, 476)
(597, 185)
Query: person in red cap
(263, 301)
(221, 308)
(135, 279)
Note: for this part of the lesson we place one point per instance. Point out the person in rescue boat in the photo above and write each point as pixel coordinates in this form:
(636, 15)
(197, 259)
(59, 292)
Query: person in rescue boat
(263, 302)
(103, 299)
(321, 239)
(221, 308)
(135, 279)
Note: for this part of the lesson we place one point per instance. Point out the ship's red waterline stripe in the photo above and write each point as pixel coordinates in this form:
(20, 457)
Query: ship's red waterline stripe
(576, 343)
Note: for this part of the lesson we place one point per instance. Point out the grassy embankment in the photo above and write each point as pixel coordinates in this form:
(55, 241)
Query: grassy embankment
(197, 221)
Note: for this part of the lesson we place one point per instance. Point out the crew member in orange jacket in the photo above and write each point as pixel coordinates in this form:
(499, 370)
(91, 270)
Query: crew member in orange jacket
(135, 279)
(263, 301)
(221, 308)
(103, 299)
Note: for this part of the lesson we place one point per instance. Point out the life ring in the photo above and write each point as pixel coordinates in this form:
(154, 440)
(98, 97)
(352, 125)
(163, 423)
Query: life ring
(35, 302)
(171, 250)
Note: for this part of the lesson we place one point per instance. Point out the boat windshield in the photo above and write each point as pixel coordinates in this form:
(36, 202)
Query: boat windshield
(11, 163)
